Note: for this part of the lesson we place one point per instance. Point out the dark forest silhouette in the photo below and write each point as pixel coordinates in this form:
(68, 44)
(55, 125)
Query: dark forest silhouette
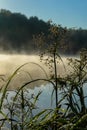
(17, 31)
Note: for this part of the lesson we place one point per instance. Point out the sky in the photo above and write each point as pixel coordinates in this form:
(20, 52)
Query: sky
(67, 13)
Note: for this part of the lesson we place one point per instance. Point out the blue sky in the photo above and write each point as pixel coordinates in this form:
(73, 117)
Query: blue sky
(70, 13)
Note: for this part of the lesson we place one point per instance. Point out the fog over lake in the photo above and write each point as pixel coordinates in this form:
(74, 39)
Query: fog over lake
(33, 70)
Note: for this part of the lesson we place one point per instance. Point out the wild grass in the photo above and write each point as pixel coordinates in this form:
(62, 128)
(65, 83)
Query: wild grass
(19, 109)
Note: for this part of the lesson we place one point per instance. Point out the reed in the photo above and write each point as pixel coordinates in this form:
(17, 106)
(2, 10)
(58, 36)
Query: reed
(20, 107)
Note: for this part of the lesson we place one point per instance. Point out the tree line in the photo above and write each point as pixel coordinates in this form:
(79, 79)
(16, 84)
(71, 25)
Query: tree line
(17, 31)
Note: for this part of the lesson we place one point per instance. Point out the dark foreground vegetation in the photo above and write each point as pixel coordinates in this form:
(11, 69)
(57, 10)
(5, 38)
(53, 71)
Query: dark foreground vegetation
(17, 31)
(20, 107)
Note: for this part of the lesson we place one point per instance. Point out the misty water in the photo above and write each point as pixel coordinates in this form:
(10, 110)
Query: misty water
(34, 69)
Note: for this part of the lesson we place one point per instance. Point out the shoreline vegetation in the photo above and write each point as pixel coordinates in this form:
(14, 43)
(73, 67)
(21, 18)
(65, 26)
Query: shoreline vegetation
(21, 106)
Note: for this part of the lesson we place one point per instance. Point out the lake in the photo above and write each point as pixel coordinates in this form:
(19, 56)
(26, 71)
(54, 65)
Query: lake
(33, 70)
